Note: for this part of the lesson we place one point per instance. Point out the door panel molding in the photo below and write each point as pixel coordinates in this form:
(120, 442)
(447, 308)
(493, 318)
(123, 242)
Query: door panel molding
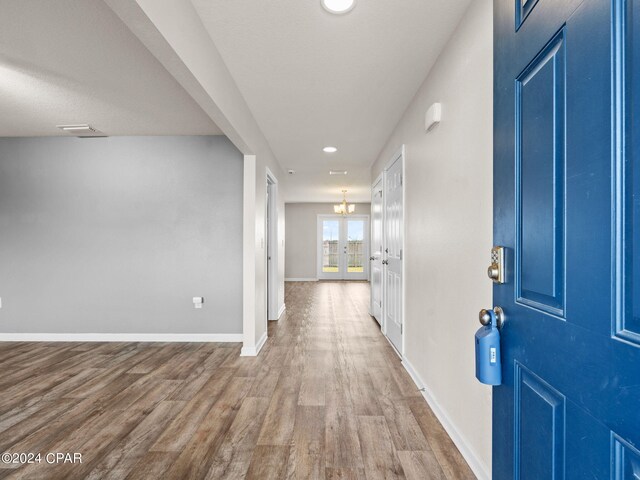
(540, 203)
(626, 220)
(541, 430)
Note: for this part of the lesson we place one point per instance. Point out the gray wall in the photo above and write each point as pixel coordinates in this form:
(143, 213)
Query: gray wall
(301, 236)
(116, 235)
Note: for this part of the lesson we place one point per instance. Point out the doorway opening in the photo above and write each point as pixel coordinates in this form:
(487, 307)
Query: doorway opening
(343, 247)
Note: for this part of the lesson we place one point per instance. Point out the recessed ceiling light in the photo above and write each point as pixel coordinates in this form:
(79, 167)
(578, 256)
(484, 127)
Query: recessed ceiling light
(338, 7)
(329, 149)
(337, 172)
(83, 128)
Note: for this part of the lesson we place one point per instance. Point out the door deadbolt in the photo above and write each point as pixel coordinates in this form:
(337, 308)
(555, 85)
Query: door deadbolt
(497, 268)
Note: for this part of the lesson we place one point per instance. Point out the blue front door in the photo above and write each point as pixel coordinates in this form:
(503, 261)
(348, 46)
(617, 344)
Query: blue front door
(566, 207)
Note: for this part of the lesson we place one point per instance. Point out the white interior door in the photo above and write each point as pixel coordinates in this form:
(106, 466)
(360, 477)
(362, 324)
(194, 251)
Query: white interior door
(376, 251)
(392, 257)
(343, 247)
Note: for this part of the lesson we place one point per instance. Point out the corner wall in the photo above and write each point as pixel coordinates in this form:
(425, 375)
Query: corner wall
(448, 228)
(117, 235)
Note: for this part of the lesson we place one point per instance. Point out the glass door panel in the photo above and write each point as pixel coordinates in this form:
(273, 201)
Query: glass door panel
(355, 247)
(331, 233)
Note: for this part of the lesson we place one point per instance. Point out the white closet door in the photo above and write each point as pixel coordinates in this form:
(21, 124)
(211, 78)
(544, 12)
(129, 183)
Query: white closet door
(392, 257)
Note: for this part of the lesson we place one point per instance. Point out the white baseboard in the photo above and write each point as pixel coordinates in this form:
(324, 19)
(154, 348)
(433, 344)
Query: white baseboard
(120, 337)
(300, 279)
(282, 309)
(479, 468)
(253, 351)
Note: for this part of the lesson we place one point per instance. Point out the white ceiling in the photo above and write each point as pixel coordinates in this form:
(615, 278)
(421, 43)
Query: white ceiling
(74, 61)
(313, 79)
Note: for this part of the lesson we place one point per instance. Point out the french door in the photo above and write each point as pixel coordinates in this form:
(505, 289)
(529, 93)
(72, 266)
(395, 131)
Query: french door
(566, 210)
(343, 250)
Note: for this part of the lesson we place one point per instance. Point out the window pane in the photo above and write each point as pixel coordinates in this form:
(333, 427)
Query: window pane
(330, 239)
(355, 245)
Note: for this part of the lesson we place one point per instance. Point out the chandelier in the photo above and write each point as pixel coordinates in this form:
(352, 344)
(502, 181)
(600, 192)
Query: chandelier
(343, 208)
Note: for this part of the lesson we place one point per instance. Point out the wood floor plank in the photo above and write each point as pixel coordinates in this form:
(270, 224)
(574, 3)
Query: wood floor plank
(277, 428)
(182, 428)
(312, 390)
(269, 462)
(379, 455)
(265, 382)
(233, 457)
(119, 462)
(195, 459)
(345, 474)
(152, 466)
(307, 454)
(421, 466)
(405, 431)
(342, 441)
(449, 457)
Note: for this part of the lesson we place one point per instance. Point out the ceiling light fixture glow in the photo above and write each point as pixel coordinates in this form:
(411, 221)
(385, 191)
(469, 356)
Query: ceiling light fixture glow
(329, 149)
(83, 130)
(337, 172)
(77, 128)
(344, 208)
(338, 7)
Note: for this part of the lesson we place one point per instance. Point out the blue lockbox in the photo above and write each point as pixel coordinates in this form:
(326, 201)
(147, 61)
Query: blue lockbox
(488, 365)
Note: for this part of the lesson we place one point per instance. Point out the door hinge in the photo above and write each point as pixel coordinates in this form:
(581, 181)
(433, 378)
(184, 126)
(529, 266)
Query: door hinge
(400, 180)
(400, 254)
(401, 328)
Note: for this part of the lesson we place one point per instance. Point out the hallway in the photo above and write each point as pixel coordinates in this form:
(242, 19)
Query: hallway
(327, 398)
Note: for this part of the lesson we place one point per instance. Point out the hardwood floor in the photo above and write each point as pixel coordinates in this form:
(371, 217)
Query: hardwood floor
(326, 398)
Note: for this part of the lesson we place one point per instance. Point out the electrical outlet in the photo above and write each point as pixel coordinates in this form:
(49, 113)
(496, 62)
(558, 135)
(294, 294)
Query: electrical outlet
(197, 302)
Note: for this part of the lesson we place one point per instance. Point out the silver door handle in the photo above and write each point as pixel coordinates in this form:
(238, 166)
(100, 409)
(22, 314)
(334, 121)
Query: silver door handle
(372, 258)
(485, 317)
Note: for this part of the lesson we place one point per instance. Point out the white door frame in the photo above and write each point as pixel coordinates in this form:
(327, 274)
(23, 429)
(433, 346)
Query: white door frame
(342, 275)
(399, 155)
(271, 252)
